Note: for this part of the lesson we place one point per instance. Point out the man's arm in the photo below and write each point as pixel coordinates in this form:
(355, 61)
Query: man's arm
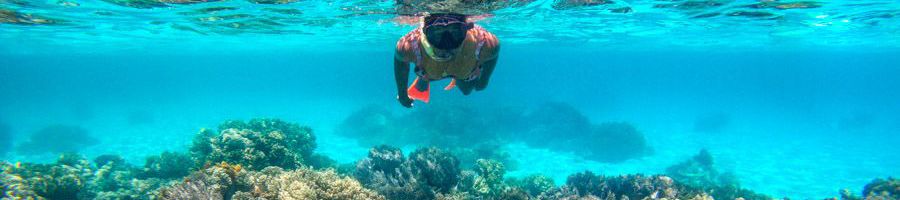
(487, 68)
(401, 77)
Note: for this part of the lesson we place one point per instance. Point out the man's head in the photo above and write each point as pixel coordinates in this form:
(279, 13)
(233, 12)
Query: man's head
(445, 32)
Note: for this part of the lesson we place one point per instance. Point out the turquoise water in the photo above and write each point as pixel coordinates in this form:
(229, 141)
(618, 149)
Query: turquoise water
(803, 101)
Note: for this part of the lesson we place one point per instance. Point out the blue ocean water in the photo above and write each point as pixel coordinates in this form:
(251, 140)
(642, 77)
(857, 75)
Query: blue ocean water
(795, 101)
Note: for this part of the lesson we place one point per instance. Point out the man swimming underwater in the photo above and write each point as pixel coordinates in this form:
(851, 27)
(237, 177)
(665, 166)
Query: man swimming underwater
(445, 46)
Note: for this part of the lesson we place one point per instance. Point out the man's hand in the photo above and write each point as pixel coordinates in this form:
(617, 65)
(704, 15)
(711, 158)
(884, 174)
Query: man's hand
(405, 101)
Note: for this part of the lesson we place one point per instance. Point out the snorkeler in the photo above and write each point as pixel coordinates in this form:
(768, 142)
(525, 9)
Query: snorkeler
(445, 46)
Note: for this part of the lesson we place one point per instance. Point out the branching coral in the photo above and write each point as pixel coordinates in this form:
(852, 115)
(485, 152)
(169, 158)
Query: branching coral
(214, 183)
(427, 173)
(303, 183)
(586, 185)
(226, 181)
(387, 171)
(66, 139)
(435, 168)
(489, 182)
(256, 144)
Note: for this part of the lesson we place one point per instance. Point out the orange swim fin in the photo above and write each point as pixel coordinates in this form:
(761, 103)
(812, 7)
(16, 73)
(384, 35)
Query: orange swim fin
(415, 91)
(451, 85)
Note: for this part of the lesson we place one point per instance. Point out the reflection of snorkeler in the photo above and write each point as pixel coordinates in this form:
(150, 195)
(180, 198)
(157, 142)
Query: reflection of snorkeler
(445, 46)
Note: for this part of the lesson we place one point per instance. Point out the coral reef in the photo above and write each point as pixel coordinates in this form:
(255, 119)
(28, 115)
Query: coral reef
(883, 189)
(477, 132)
(168, 165)
(468, 132)
(878, 189)
(216, 182)
(385, 170)
(275, 183)
(66, 179)
(73, 177)
(256, 144)
(226, 181)
(66, 139)
(489, 182)
(533, 185)
(586, 185)
(435, 168)
(109, 159)
(486, 150)
(427, 173)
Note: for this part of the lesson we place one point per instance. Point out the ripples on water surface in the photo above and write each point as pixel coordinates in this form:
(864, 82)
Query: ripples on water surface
(617, 24)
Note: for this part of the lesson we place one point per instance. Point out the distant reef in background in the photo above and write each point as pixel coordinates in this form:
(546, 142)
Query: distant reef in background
(274, 159)
(480, 130)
